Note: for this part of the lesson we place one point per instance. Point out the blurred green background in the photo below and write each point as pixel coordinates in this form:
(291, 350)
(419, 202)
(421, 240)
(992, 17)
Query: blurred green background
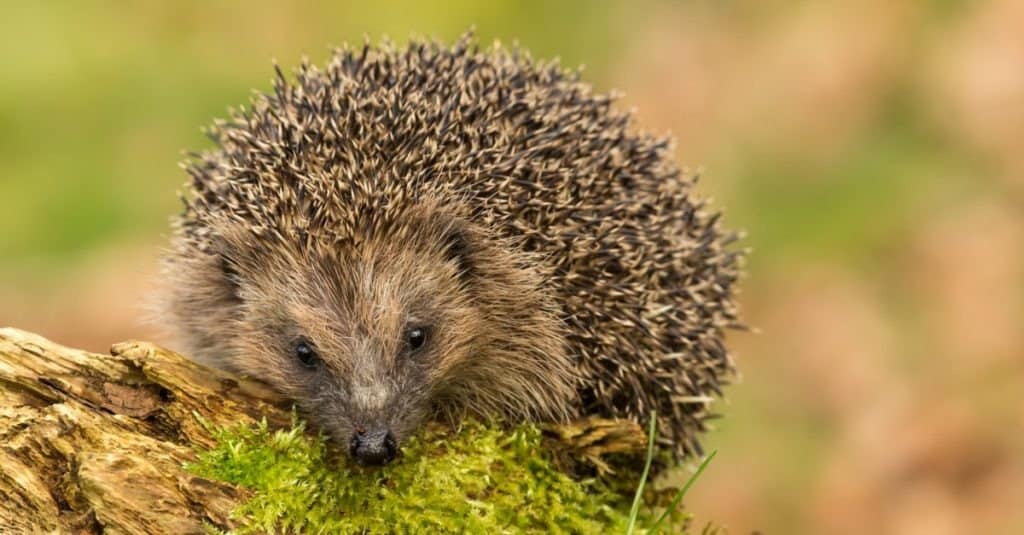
(874, 152)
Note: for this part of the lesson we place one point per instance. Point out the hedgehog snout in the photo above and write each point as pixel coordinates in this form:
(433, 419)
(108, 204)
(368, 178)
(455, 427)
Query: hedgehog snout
(373, 446)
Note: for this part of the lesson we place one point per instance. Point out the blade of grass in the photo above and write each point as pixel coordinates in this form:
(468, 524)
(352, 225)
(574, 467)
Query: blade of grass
(682, 492)
(633, 511)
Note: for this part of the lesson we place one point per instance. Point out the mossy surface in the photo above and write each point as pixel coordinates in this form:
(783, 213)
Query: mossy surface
(477, 479)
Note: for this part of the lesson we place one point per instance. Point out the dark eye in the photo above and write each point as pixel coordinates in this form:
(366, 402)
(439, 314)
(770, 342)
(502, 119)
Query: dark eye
(416, 337)
(305, 352)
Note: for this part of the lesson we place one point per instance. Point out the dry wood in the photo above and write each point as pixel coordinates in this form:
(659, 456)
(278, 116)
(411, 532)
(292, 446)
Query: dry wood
(94, 443)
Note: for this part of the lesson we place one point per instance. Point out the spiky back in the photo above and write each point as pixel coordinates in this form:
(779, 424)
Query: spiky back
(641, 269)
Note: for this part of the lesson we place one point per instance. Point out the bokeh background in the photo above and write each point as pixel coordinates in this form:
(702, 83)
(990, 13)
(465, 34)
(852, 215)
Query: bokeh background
(873, 150)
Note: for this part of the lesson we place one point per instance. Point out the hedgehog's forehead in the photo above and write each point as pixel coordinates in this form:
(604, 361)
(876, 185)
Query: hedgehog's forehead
(386, 271)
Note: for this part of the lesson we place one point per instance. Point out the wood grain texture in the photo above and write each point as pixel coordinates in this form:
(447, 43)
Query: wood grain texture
(94, 443)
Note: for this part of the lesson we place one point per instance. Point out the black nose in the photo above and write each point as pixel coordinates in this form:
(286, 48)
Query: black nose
(373, 446)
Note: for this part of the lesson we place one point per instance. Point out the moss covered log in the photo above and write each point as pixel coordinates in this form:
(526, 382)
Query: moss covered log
(145, 441)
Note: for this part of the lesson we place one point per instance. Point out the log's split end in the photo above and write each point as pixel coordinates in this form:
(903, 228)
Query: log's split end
(90, 442)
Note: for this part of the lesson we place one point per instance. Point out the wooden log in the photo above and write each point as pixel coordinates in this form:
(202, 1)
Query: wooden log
(95, 443)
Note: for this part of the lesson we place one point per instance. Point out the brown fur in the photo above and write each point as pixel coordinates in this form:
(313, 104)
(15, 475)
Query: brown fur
(558, 258)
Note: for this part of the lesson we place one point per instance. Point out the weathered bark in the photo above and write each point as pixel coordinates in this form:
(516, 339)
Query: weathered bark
(93, 443)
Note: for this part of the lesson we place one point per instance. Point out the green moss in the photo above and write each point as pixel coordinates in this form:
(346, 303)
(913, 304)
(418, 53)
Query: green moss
(475, 479)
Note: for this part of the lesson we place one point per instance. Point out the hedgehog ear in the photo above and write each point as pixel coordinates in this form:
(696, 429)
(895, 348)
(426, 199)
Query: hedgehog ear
(458, 249)
(227, 267)
(230, 279)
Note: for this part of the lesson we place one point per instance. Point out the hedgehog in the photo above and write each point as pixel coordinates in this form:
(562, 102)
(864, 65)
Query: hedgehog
(436, 231)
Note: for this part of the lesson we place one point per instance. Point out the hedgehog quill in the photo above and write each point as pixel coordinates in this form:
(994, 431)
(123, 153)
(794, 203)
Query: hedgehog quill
(434, 231)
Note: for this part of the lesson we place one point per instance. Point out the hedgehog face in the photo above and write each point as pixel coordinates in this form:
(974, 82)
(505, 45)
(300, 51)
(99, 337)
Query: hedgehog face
(363, 336)
(423, 316)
